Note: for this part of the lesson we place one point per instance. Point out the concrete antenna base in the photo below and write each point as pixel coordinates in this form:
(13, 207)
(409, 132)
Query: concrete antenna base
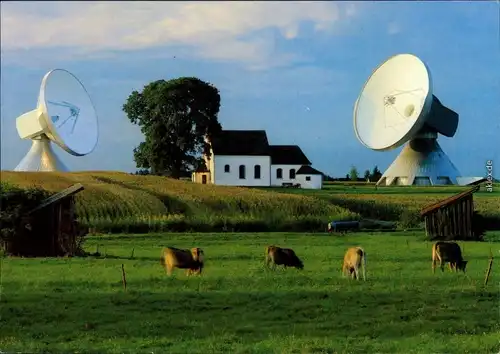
(41, 157)
(421, 162)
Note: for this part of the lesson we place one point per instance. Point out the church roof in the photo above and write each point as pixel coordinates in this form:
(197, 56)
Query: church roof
(255, 143)
(307, 170)
(241, 142)
(288, 155)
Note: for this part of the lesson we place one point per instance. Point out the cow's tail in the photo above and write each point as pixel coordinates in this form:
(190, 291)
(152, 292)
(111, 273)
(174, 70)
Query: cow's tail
(162, 258)
(266, 261)
(435, 253)
(435, 256)
(363, 260)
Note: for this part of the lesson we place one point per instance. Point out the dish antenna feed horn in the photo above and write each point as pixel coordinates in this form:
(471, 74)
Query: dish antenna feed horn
(64, 115)
(395, 106)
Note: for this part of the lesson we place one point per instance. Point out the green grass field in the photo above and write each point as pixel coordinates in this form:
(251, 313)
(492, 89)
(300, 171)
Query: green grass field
(237, 306)
(117, 202)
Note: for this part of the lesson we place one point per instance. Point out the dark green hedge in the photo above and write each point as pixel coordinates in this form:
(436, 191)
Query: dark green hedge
(15, 202)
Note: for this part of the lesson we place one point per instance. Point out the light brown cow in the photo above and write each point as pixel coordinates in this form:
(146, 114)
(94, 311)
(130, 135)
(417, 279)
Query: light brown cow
(282, 256)
(354, 258)
(447, 252)
(191, 260)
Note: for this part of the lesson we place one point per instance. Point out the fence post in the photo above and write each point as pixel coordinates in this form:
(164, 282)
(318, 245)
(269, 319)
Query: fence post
(124, 278)
(488, 270)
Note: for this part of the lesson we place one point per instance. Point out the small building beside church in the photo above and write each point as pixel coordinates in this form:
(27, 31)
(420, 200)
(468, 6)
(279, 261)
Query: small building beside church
(245, 158)
(309, 178)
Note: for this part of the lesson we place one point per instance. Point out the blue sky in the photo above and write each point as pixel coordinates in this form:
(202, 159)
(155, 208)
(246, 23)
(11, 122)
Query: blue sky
(293, 69)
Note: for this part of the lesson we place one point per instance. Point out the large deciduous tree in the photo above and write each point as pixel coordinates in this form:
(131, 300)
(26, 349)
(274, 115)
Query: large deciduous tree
(174, 116)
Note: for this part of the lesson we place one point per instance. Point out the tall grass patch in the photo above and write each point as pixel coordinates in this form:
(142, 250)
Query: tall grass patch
(114, 202)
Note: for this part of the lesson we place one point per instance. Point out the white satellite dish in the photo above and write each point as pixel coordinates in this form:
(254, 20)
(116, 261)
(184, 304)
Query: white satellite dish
(397, 105)
(65, 115)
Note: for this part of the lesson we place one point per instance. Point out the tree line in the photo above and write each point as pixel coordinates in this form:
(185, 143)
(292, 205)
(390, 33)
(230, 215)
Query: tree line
(368, 176)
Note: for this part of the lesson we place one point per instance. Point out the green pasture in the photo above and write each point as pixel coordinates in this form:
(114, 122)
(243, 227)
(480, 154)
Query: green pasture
(371, 188)
(238, 306)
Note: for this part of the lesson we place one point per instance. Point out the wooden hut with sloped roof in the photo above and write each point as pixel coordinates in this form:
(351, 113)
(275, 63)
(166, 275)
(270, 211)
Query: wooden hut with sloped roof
(50, 229)
(453, 218)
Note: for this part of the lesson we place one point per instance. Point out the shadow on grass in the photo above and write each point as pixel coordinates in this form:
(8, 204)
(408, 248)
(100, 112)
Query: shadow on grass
(258, 256)
(218, 236)
(128, 258)
(221, 257)
(181, 314)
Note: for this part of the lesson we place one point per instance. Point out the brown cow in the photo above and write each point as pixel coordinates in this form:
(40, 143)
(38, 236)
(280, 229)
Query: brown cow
(191, 260)
(282, 256)
(354, 258)
(447, 252)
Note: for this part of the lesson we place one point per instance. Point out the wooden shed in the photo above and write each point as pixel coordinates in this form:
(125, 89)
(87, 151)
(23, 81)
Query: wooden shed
(452, 218)
(50, 229)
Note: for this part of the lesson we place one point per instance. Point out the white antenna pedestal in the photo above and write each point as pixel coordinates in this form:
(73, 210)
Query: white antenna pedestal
(422, 162)
(41, 157)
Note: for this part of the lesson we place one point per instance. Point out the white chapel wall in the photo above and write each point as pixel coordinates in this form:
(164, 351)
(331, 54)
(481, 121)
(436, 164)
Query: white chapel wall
(231, 178)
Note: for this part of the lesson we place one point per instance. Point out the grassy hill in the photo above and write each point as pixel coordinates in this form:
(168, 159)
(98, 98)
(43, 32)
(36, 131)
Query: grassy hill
(120, 202)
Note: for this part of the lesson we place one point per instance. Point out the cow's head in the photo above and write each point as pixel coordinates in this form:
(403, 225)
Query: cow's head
(299, 264)
(197, 254)
(461, 265)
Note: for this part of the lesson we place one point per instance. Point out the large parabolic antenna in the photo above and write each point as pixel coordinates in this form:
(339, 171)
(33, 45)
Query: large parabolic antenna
(65, 115)
(397, 106)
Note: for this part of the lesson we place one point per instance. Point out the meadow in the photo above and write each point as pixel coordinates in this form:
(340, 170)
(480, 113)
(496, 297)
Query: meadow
(238, 306)
(117, 202)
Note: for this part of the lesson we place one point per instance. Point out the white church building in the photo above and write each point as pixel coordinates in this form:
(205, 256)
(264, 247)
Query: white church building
(245, 158)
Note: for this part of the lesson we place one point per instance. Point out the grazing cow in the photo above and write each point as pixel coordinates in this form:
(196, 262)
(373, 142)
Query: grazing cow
(354, 258)
(282, 256)
(191, 260)
(447, 252)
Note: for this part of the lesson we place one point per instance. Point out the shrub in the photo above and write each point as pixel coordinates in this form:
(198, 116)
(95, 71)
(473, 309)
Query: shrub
(409, 219)
(14, 203)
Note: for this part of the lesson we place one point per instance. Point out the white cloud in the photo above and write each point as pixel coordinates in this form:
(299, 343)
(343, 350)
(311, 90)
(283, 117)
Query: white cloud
(214, 30)
(393, 28)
